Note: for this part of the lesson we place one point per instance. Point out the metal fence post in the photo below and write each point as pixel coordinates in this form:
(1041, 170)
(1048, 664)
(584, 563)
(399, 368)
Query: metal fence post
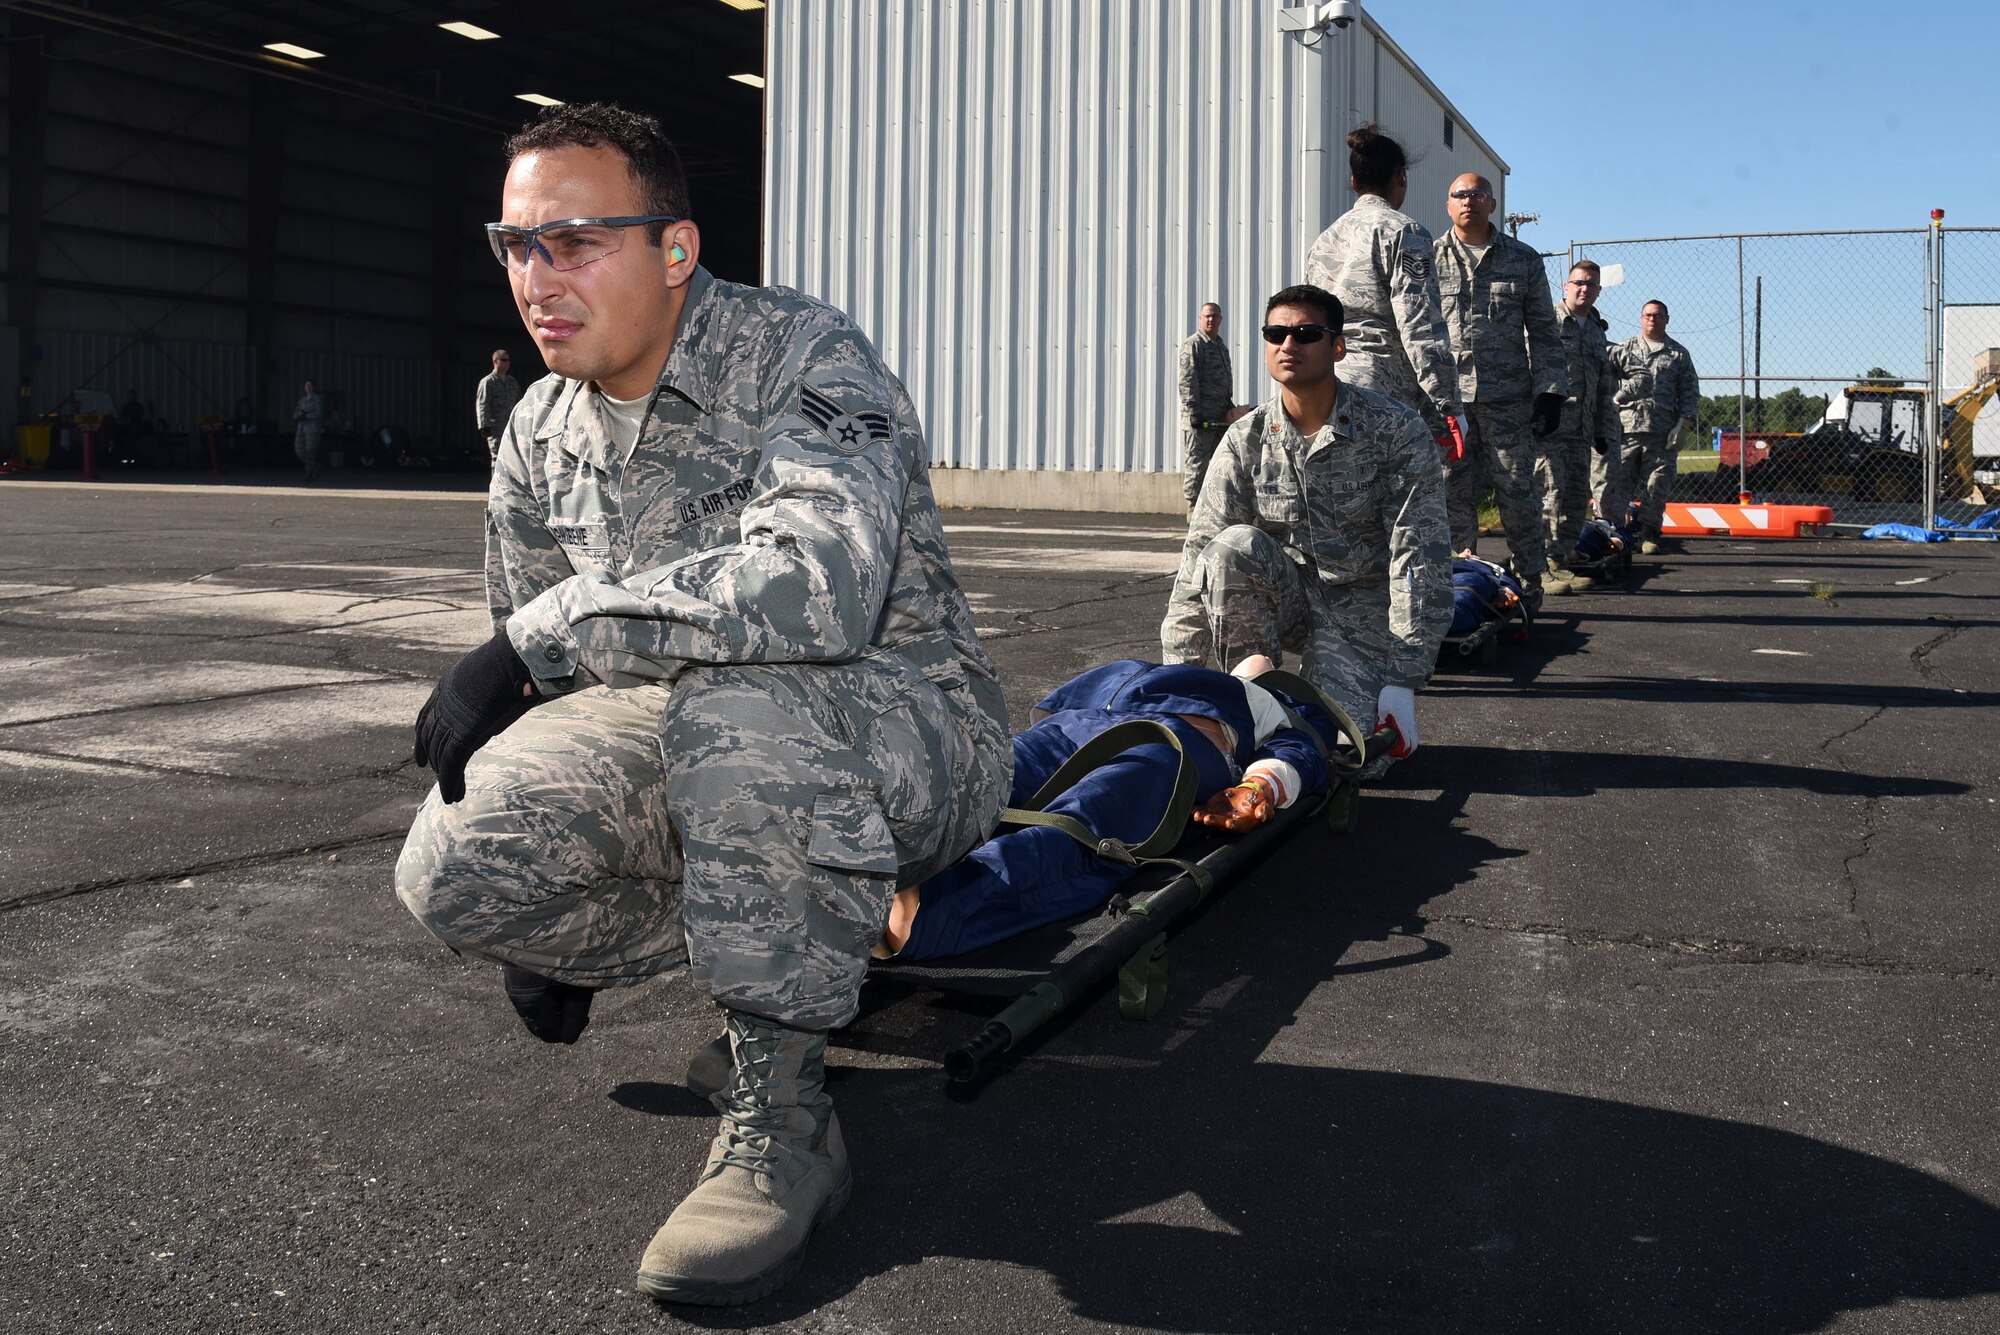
(1742, 421)
(1934, 400)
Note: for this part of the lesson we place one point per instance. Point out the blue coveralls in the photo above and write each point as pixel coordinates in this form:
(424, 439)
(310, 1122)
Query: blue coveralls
(1033, 875)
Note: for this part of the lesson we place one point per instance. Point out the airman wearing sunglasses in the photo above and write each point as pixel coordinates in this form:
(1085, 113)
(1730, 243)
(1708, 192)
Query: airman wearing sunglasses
(1320, 531)
(734, 697)
(1511, 376)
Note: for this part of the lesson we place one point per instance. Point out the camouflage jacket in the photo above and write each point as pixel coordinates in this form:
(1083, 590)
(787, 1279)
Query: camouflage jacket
(1590, 412)
(1657, 389)
(775, 508)
(1207, 384)
(497, 396)
(1360, 508)
(1502, 325)
(1378, 262)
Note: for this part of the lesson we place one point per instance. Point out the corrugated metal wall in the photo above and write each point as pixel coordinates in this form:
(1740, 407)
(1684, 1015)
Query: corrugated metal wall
(1024, 202)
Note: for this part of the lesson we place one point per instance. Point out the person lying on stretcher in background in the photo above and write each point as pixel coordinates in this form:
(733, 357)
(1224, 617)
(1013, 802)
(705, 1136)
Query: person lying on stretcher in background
(1251, 761)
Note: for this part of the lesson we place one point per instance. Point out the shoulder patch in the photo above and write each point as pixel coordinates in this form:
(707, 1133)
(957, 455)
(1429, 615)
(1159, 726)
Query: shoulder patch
(1417, 266)
(850, 433)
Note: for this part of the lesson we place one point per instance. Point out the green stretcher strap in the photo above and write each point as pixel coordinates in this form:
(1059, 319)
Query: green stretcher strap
(1350, 757)
(1115, 741)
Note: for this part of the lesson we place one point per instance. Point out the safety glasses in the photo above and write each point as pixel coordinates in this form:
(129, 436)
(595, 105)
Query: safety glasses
(568, 244)
(1275, 334)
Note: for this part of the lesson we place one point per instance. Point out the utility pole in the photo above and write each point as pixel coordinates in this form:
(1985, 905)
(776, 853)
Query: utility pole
(1515, 221)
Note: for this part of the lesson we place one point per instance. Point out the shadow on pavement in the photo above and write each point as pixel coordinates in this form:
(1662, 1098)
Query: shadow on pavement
(1522, 773)
(1714, 691)
(1180, 1178)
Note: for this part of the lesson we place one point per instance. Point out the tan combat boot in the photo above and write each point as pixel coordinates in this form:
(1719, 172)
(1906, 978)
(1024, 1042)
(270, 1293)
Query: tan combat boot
(710, 1069)
(1554, 585)
(777, 1170)
(1577, 580)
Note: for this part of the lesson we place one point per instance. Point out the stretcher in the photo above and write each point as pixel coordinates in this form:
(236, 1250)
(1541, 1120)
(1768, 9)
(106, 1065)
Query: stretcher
(1603, 552)
(1042, 974)
(1489, 605)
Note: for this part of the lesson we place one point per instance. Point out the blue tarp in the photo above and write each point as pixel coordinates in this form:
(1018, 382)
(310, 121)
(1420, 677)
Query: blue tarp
(1942, 530)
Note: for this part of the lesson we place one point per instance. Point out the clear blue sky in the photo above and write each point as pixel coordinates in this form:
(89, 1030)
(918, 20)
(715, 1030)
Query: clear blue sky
(1691, 116)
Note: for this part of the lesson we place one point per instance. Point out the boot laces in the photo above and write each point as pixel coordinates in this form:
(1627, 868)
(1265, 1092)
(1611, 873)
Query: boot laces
(750, 1136)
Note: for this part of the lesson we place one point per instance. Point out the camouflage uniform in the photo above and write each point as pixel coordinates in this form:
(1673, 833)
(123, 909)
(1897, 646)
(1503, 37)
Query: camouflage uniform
(1378, 262)
(1207, 388)
(1509, 351)
(772, 707)
(498, 394)
(1570, 469)
(1657, 391)
(1333, 548)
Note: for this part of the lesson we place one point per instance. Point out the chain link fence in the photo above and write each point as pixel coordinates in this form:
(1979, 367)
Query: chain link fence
(1822, 357)
(1968, 482)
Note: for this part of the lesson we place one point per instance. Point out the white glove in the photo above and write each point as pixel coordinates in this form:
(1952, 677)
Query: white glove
(1398, 705)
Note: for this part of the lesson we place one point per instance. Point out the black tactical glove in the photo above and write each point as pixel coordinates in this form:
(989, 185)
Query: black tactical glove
(554, 1012)
(476, 700)
(1546, 415)
(1601, 445)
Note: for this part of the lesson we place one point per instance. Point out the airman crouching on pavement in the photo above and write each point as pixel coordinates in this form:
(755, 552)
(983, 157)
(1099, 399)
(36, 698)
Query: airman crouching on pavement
(734, 697)
(1321, 531)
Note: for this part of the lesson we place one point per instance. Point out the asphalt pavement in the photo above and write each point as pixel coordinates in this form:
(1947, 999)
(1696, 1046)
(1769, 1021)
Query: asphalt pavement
(1658, 992)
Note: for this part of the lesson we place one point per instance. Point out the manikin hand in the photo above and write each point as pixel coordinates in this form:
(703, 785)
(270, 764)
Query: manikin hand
(1242, 807)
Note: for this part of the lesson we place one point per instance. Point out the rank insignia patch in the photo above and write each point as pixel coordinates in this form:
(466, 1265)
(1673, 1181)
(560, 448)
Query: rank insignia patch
(850, 433)
(1418, 267)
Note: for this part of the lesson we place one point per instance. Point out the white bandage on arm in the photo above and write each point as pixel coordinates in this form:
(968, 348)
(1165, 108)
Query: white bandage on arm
(1280, 773)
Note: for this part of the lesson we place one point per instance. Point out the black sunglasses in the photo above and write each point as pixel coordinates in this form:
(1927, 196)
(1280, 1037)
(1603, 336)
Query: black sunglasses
(1275, 334)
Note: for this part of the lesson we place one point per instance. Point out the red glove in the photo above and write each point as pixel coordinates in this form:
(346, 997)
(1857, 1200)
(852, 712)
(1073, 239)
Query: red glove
(1452, 442)
(1243, 807)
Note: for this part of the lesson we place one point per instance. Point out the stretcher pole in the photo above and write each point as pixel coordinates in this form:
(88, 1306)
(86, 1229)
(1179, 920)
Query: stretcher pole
(1137, 929)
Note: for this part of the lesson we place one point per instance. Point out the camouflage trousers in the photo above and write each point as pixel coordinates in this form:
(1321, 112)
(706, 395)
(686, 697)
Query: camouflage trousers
(1606, 488)
(751, 820)
(1563, 478)
(1500, 450)
(1646, 474)
(1197, 448)
(1258, 600)
(305, 445)
(1392, 376)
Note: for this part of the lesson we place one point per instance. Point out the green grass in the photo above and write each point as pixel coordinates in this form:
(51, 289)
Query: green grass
(1687, 461)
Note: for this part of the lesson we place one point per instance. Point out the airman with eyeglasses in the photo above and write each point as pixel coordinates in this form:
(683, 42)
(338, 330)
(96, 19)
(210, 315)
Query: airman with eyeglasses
(1579, 457)
(723, 611)
(1511, 376)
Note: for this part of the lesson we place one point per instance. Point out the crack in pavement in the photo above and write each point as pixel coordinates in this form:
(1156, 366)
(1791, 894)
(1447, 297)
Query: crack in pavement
(1720, 949)
(1878, 712)
(1107, 593)
(269, 857)
(1920, 656)
(1870, 809)
(183, 772)
(209, 699)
